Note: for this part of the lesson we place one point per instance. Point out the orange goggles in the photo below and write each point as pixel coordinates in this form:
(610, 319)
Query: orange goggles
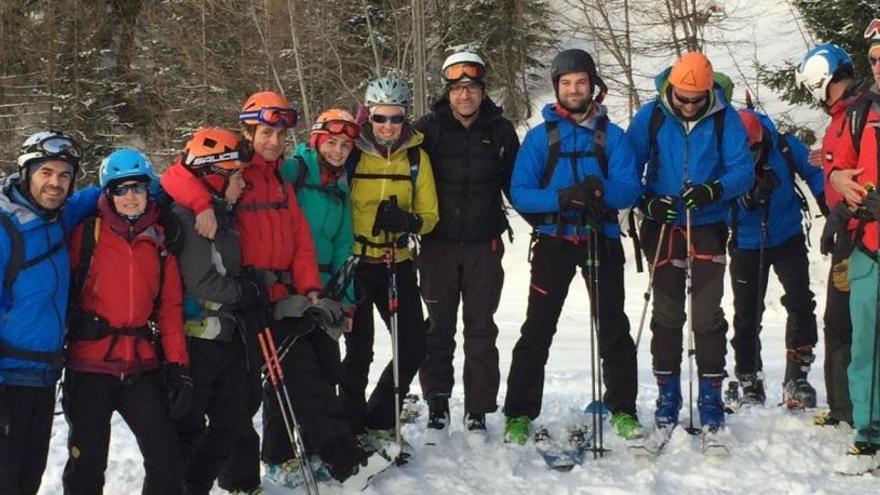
(457, 72)
(345, 127)
(271, 116)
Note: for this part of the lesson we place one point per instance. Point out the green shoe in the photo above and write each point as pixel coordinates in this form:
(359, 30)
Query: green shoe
(627, 426)
(516, 429)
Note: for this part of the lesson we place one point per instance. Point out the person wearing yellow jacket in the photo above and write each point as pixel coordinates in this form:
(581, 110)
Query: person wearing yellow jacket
(393, 199)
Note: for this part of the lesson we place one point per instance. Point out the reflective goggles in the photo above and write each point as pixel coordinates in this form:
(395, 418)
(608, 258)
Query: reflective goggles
(381, 119)
(271, 116)
(222, 163)
(350, 129)
(470, 70)
(55, 146)
(136, 188)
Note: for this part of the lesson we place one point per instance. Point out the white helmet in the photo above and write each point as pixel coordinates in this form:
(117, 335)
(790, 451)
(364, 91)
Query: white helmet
(387, 90)
(818, 68)
(466, 66)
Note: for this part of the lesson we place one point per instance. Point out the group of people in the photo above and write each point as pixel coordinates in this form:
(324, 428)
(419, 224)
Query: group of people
(157, 295)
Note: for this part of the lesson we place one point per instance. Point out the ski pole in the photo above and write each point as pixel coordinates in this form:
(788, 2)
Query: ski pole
(689, 290)
(872, 429)
(276, 376)
(594, 247)
(393, 302)
(759, 303)
(647, 294)
(595, 407)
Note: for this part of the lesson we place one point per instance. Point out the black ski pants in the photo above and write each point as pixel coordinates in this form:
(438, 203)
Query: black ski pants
(219, 373)
(311, 373)
(372, 282)
(470, 273)
(554, 263)
(241, 471)
(23, 453)
(838, 340)
(89, 402)
(789, 261)
(669, 311)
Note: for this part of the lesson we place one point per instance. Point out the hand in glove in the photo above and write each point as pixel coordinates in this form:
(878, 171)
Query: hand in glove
(660, 208)
(253, 293)
(699, 195)
(5, 419)
(835, 227)
(871, 204)
(331, 315)
(760, 194)
(585, 196)
(179, 389)
(390, 218)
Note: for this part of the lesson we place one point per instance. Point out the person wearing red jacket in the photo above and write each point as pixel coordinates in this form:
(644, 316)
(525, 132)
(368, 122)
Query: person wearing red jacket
(827, 72)
(275, 240)
(125, 281)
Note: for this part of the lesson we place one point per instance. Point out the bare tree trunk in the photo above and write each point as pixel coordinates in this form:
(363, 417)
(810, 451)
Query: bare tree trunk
(376, 59)
(266, 50)
(304, 97)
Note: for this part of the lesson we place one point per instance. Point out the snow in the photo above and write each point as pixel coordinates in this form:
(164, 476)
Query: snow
(773, 450)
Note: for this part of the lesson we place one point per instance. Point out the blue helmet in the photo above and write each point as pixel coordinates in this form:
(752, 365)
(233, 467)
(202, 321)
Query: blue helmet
(126, 163)
(818, 67)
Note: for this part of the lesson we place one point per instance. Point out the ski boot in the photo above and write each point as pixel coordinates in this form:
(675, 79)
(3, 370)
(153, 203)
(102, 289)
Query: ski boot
(438, 420)
(752, 385)
(356, 476)
(475, 424)
(797, 393)
(627, 426)
(713, 440)
(516, 429)
(287, 475)
(668, 401)
(861, 458)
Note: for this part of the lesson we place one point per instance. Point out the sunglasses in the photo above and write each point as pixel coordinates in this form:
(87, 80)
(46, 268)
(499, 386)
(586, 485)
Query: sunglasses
(465, 88)
(345, 127)
(699, 100)
(271, 116)
(873, 61)
(136, 188)
(456, 72)
(381, 119)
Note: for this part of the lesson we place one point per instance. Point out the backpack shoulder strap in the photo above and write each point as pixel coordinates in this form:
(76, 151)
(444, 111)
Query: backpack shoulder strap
(90, 233)
(857, 115)
(785, 149)
(16, 255)
(657, 119)
(302, 171)
(599, 137)
(414, 156)
(555, 149)
(718, 122)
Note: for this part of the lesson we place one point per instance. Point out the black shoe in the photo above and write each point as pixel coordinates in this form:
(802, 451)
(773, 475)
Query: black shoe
(475, 422)
(438, 412)
(752, 388)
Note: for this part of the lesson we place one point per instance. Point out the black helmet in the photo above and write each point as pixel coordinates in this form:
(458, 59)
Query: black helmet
(573, 60)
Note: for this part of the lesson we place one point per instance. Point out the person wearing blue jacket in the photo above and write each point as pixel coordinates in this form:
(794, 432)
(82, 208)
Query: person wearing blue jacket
(595, 175)
(767, 231)
(37, 211)
(691, 147)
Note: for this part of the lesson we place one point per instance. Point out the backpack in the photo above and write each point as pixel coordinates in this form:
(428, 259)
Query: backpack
(554, 144)
(16, 262)
(785, 149)
(857, 115)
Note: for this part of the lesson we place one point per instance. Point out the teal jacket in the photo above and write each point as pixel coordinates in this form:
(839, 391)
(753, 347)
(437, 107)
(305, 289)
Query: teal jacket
(327, 208)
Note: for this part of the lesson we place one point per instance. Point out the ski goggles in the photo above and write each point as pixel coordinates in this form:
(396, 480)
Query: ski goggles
(54, 146)
(699, 100)
(136, 188)
(381, 119)
(872, 33)
(457, 72)
(345, 127)
(225, 164)
(271, 116)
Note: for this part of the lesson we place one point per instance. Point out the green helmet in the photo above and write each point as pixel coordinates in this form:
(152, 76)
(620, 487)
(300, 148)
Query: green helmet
(726, 84)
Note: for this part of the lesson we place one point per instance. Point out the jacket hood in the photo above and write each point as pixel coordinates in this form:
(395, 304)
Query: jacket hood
(14, 203)
(551, 114)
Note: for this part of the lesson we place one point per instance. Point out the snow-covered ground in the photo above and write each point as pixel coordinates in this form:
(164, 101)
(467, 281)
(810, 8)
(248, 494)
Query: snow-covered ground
(773, 450)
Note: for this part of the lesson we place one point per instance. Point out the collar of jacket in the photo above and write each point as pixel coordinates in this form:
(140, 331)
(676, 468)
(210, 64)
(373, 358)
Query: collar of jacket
(555, 113)
(367, 141)
(126, 229)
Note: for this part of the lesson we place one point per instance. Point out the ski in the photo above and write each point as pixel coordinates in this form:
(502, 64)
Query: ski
(712, 444)
(653, 444)
(566, 456)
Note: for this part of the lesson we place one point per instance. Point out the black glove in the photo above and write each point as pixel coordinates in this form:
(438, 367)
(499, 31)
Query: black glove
(760, 193)
(179, 389)
(835, 227)
(659, 208)
(585, 196)
(870, 205)
(390, 218)
(331, 315)
(5, 419)
(700, 195)
(253, 293)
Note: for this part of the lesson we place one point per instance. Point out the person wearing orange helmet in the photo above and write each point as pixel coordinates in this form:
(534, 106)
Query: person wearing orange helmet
(218, 292)
(692, 151)
(276, 243)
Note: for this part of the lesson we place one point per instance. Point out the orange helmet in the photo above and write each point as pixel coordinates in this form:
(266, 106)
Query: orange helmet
(214, 155)
(753, 126)
(692, 72)
(334, 121)
(268, 108)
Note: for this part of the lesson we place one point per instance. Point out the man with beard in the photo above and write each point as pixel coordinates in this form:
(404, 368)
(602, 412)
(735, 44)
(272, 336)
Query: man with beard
(472, 148)
(572, 207)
